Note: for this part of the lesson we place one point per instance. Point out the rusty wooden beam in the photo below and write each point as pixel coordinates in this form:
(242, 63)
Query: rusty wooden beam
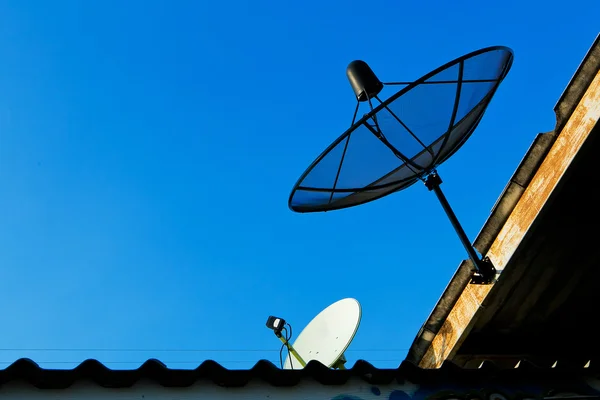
(568, 143)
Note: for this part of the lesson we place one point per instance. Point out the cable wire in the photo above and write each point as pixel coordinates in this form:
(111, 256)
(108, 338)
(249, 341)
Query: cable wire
(287, 339)
(281, 348)
(158, 350)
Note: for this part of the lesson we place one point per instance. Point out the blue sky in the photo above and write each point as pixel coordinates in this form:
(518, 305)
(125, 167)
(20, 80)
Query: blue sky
(147, 150)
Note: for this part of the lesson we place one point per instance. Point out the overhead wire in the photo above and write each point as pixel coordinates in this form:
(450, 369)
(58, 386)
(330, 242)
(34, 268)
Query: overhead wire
(287, 330)
(159, 350)
(140, 362)
(287, 339)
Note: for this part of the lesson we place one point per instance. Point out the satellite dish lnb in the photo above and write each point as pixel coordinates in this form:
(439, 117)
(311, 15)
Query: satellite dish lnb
(325, 338)
(404, 138)
(363, 80)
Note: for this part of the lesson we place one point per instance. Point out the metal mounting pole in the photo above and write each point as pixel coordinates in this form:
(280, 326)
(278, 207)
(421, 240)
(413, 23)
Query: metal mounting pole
(293, 351)
(484, 269)
(341, 363)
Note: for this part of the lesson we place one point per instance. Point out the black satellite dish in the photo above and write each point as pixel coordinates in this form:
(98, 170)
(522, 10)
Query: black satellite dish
(405, 138)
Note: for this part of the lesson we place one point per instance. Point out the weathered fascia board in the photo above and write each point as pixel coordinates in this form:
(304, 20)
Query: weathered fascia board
(513, 191)
(498, 216)
(578, 84)
(567, 144)
(357, 389)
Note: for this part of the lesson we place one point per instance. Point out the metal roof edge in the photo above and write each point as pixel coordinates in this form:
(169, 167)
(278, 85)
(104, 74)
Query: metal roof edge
(581, 79)
(513, 190)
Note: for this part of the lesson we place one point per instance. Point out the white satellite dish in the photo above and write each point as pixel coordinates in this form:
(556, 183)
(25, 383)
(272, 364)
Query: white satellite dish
(326, 337)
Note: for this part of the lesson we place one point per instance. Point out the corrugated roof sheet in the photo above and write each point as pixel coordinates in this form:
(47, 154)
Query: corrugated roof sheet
(25, 370)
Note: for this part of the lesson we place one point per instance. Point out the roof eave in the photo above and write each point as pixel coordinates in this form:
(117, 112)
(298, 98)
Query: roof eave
(506, 203)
